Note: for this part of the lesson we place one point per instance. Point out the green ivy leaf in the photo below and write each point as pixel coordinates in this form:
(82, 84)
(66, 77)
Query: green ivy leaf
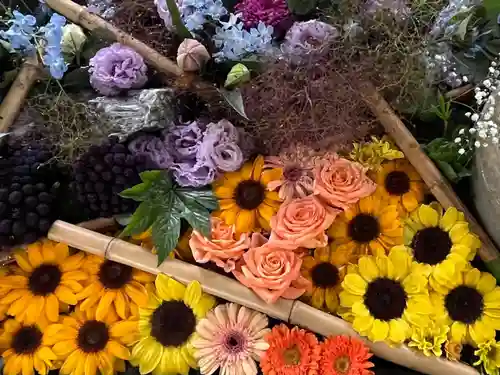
(140, 221)
(301, 7)
(151, 176)
(447, 170)
(204, 197)
(180, 28)
(138, 193)
(195, 215)
(166, 233)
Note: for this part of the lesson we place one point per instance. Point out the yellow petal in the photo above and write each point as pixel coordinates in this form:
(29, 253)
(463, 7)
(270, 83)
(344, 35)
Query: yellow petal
(331, 300)
(27, 365)
(61, 251)
(123, 328)
(224, 192)
(368, 268)
(121, 305)
(46, 354)
(409, 201)
(91, 364)
(458, 331)
(428, 217)
(458, 231)
(399, 330)
(66, 295)
(258, 164)
(472, 277)
(52, 308)
(348, 299)
(35, 254)
(151, 353)
(274, 174)
(379, 331)
(245, 221)
(486, 283)
(449, 219)
(64, 348)
(75, 275)
(363, 324)
(354, 284)
(70, 363)
(23, 261)
(73, 262)
(137, 293)
(318, 298)
(193, 293)
(118, 350)
(322, 254)
(105, 304)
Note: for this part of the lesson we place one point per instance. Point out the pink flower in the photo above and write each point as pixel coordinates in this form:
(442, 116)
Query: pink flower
(302, 223)
(271, 270)
(231, 338)
(270, 12)
(341, 183)
(223, 248)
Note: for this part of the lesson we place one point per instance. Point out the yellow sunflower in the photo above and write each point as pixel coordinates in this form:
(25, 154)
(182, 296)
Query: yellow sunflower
(489, 356)
(85, 344)
(384, 299)
(47, 278)
(326, 270)
(469, 303)
(244, 199)
(114, 286)
(400, 184)
(439, 241)
(368, 227)
(167, 326)
(24, 349)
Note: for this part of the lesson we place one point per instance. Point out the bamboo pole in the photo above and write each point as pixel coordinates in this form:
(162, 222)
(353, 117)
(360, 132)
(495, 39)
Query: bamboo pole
(294, 312)
(13, 101)
(437, 184)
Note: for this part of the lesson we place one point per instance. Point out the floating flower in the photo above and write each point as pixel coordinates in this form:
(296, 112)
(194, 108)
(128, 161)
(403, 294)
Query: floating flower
(113, 287)
(24, 349)
(230, 339)
(400, 184)
(341, 183)
(223, 248)
(344, 355)
(468, 301)
(271, 271)
(302, 223)
(368, 227)
(372, 154)
(429, 339)
(489, 357)
(192, 55)
(48, 277)
(167, 326)
(291, 352)
(439, 241)
(326, 271)
(86, 345)
(386, 297)
(270, 12)
(243, 197)
(117, 68)
(307, 41)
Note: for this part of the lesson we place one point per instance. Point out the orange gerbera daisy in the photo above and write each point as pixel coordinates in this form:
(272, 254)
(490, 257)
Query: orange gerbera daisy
(344, 355)
(291, 352)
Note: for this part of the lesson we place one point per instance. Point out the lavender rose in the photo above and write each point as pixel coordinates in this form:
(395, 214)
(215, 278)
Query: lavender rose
(154, 148)
(307, 40)
(202, 173)
(117, 68)
(185, 140)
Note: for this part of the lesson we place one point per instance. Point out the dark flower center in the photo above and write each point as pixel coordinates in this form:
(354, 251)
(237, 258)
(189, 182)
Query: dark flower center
(114, 275)
(249, 194)
(234, 342)
(291, 356)
(292, 173)
(172, 323)
(325, 275)
(44, 279)
(464, 304)
(397, 183)
(342, 364)
(26, 340)
(431, 245)
(363, 228)
(93, 336)
(385, 299)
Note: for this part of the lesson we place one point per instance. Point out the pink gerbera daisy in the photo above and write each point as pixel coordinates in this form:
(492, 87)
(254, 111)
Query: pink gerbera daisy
(231, 337)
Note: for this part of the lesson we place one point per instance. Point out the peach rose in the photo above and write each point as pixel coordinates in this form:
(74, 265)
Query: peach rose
(302, 223)
(223, 248)
(271, 271)
(341, 183)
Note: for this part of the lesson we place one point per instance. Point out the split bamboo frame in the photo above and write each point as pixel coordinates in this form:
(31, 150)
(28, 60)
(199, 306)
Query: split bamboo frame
(293, 312)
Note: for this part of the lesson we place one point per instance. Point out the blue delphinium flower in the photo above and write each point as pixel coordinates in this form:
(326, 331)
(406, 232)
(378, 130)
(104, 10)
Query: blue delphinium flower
(194, 13)
(52, 34)
(20, 32)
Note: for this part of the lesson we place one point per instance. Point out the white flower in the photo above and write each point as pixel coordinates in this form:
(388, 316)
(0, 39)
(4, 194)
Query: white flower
(477, 144)
(474, 117)
(458, 140)
(461, 151)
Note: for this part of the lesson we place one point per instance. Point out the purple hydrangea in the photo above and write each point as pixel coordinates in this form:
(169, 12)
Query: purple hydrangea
(117, 68)
(154, 149)
(307, 41)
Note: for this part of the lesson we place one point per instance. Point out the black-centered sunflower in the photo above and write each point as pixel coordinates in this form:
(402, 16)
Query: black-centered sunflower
(86, 345)
(25, 349)
(47, 278)
(469, 302)
(384, 298)
(114, 286)
(167, 327)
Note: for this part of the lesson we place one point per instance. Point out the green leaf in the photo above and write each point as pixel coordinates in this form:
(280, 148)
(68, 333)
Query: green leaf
(166, 233)
(141, 220)
(180, 28)
(77, 79)
(235, 100)
(447, 170)
(195, 214)
(301, 7)
(151, 176)
(204, 197)
(463, 27)
(138, 193)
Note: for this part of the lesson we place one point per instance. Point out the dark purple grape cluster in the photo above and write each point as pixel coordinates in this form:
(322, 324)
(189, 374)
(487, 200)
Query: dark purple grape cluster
(101, 174)
(28, 189)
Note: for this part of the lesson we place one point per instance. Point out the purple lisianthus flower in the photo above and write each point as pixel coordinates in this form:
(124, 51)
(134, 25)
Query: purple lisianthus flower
(117, 68)
(270, 12)
(185, 140)
(228, 157)
(307, 40)
(202, 173)
(154, 149)
(223, 130)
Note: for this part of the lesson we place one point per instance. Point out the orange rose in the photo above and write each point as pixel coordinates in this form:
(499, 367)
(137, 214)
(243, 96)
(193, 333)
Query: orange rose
(271, 271)
(341, 182)
(223, 248)
(302, 223)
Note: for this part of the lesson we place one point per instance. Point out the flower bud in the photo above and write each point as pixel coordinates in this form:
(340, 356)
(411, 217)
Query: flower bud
(238, 75)
(73, 39)
(192, 55)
